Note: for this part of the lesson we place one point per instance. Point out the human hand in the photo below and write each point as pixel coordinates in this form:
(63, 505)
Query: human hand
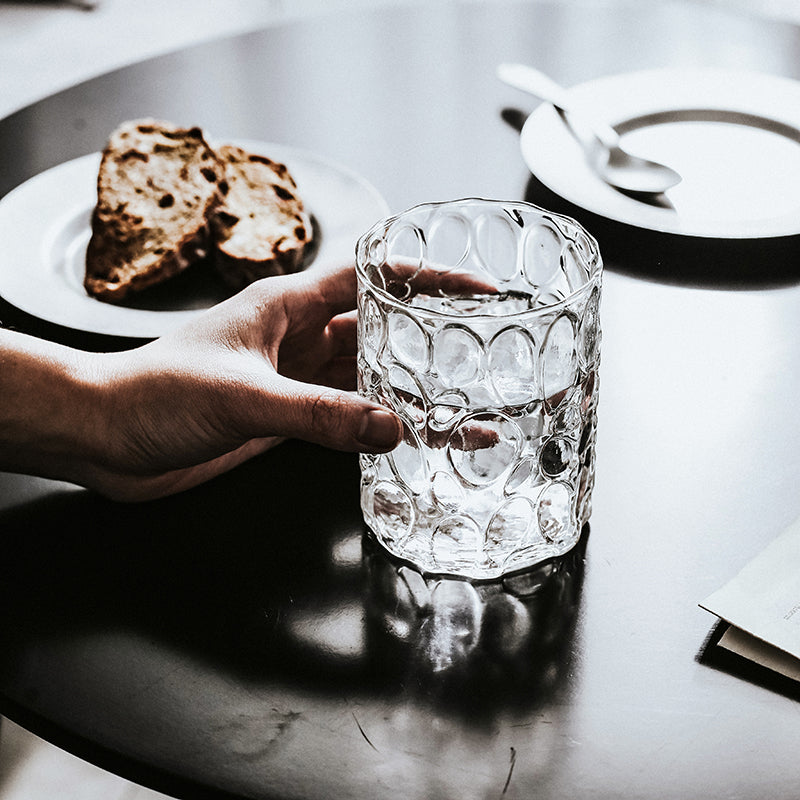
(276, 360)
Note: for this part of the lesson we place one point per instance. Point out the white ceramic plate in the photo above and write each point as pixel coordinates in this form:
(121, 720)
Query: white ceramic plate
(733, 136)
(45, 228)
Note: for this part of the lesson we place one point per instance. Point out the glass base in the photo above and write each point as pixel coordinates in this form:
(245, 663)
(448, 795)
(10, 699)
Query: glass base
(418, 552)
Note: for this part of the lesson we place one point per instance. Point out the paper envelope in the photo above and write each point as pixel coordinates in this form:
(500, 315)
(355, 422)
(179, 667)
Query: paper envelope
(763, 600)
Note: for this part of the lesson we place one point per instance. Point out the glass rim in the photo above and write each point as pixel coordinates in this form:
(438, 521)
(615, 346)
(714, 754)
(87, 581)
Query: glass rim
(595, 267)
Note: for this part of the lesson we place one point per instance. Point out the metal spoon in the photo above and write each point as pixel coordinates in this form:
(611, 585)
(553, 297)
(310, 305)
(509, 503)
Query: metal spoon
(615, 166)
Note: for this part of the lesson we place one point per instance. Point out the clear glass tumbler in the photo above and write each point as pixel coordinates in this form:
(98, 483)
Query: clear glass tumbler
(479, 326)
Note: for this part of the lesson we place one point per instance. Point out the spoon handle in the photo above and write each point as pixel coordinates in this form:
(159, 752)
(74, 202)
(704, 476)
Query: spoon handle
(534, 82)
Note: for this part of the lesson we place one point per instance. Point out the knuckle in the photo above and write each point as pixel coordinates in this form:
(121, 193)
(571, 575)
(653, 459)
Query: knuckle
(327, 413)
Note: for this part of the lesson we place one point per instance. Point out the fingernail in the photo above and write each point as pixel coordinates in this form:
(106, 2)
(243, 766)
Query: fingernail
(379, 430)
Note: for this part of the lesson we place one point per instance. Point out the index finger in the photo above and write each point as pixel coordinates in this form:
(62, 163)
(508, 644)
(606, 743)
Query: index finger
(322, 293)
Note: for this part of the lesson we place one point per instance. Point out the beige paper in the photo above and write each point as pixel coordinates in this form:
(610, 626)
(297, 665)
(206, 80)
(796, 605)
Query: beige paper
(743, 644)
(763, 600)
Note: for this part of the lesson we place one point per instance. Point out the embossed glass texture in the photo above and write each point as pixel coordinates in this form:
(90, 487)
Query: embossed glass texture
(479, 326)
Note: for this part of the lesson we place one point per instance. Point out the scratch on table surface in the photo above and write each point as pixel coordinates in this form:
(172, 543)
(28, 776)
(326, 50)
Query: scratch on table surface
(285, 721)
(366, 738)
(512, 760)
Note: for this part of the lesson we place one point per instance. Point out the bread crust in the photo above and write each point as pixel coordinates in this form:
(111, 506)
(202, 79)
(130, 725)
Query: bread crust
(157, 187)
(262, 227)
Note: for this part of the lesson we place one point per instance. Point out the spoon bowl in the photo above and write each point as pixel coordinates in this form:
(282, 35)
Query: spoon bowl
(617, 167)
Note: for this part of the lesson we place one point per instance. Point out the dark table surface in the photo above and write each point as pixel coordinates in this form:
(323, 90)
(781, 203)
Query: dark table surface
(244, 639)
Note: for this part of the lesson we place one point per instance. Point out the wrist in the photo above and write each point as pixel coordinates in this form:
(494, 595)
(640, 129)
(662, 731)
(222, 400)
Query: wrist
(50, 420)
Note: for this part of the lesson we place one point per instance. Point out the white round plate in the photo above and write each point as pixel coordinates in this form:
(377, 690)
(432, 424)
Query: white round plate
(45, 228)
(733, 136)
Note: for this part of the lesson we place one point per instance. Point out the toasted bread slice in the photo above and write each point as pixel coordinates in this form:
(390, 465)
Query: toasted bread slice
(156, 189)
(262, 227)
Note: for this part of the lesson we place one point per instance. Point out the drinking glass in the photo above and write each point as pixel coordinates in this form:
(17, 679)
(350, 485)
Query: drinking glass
(479, 327)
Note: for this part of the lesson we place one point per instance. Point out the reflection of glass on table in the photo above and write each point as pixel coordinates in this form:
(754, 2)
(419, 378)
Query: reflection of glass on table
(479, 326)
(477, 649)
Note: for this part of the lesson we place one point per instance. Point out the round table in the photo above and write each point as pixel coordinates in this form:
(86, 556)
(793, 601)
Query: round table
(246, 639)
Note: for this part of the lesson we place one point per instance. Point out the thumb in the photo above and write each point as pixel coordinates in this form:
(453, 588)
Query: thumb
(330, 417)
